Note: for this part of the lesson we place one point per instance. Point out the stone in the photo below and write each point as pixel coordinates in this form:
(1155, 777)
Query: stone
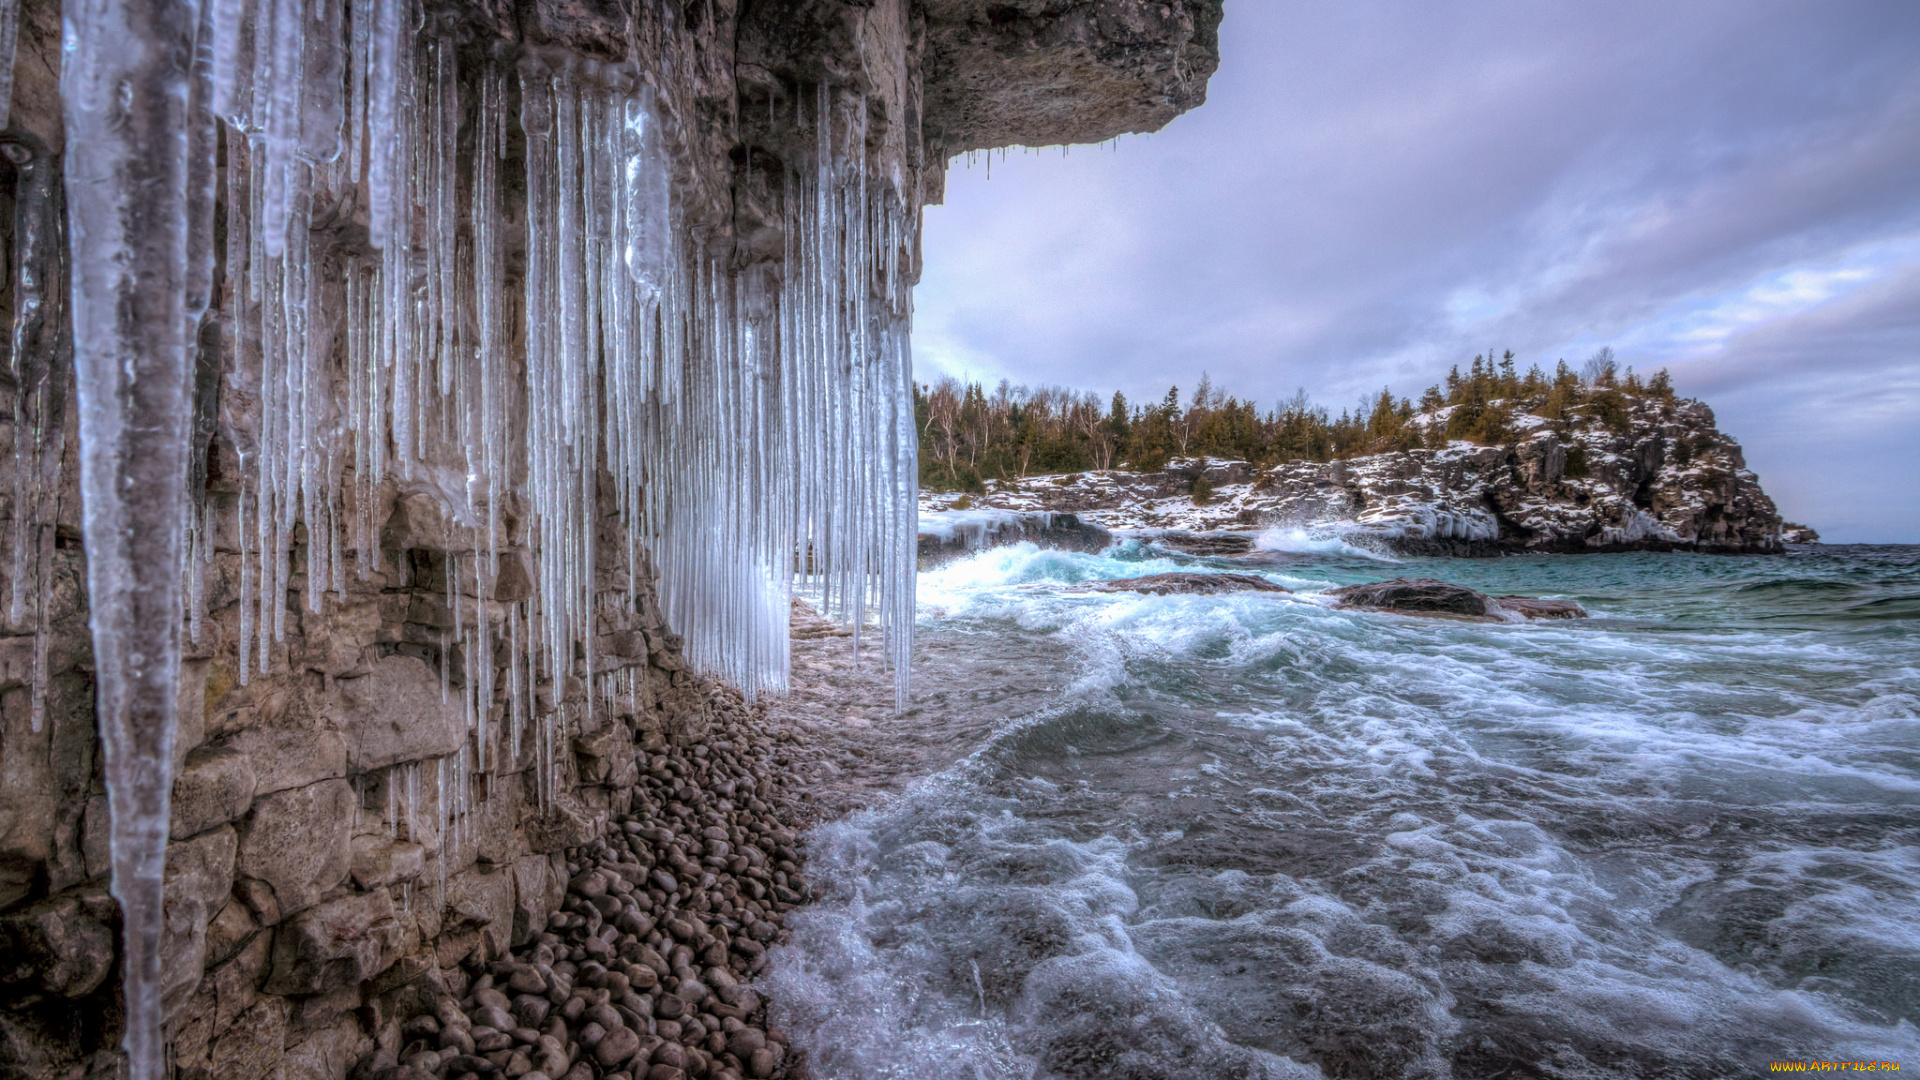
(199, 878)
(483, 899)
(326, 1054)
(298, 842)
(525, 980)
(1533, 607)
(259, 898)
(236, 982)
(336, 944)
(395, 714)
(377, 860)
(291, 752)
(255, 1045)
(1414, 596)
(530, 1011)
(671, 1054)
(745, 1041)
(1187, 584)
(605, 756)
(530, 897)
(63, 945)
(231, 927)
(214, 787)
(616, 1047)
(942, 541)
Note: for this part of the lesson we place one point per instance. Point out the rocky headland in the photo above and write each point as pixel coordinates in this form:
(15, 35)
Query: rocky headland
(1658, 475)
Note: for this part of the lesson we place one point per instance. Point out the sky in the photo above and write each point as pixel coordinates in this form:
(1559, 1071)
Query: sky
(1377, 190)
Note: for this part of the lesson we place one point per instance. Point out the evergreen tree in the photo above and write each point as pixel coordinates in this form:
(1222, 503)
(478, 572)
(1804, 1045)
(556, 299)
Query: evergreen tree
(969, 436)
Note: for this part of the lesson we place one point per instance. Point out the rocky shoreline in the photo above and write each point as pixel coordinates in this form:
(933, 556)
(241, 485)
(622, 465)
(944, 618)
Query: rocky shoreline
(1660, 477)
(645, 970)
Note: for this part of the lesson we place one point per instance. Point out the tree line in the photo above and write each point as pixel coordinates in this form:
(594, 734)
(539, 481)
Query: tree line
(969, 435)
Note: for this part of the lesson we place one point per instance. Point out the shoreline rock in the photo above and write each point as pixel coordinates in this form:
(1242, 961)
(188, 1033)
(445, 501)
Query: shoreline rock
(948, 535)
(1182, 584)
(1429, 597)
(1663, 478)
(646, 968)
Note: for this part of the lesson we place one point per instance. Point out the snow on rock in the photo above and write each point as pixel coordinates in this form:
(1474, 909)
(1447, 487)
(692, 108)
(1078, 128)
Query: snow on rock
(1669, 481)
(947, 533)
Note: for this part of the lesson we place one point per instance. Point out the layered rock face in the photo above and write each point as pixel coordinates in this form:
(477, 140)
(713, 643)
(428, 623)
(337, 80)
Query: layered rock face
(1665, 479)
(384, 783)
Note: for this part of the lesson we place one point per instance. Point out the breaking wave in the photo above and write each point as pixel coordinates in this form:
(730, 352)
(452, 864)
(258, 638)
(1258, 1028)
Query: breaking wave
(1255, 837)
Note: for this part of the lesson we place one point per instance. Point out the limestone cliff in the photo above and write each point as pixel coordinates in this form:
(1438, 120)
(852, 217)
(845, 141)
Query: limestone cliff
(379, 794)
(1660, 476)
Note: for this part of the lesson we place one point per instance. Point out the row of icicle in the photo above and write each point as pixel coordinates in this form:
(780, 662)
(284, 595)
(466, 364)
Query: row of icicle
(756, 424)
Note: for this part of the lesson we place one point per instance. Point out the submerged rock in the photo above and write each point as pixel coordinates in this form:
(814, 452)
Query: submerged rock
(1205, 543)
(1420, 596)
(1183, 584)
(1533, 607)
(1426, 596)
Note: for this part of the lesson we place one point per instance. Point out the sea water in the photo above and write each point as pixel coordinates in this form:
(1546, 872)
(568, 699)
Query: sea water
(1255, 836)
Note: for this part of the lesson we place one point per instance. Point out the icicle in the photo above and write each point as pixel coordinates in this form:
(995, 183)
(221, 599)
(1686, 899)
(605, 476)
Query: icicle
(124, 85)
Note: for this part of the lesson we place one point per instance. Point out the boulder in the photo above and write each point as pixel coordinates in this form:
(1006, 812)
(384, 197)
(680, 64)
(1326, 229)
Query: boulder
(1414, 596)
(1189, 584)
(1790, 533)
(1425, 596)
(1533, 607)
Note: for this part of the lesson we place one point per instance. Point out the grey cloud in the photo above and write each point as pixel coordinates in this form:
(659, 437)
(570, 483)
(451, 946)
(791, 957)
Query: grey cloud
(1377, 190)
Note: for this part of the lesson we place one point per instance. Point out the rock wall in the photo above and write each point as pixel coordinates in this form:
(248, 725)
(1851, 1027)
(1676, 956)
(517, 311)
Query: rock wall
(332, 864)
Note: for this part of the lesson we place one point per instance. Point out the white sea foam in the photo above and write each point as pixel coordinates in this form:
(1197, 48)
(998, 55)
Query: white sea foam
(1260, 837)
(1294, 540)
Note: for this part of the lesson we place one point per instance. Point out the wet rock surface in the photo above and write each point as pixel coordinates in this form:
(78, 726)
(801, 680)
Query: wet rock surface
(1421, 596)
(955, 534)
(1534, 607)
(1427, 596)
(1181, 584)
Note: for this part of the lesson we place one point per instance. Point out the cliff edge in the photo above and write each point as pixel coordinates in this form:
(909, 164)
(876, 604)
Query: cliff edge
(1653, 475)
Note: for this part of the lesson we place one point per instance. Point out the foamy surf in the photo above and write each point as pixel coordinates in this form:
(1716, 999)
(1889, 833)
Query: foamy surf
(1247, 835)
(1294, 540)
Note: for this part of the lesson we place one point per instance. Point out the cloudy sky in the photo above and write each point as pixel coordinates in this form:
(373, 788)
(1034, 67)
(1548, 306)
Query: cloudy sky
(1377, 190)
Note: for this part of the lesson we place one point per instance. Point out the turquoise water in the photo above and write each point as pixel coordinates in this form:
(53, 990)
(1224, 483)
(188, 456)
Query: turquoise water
(1250, 835)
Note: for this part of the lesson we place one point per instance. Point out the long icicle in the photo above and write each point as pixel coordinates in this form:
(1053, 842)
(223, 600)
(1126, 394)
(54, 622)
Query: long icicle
(124, 87)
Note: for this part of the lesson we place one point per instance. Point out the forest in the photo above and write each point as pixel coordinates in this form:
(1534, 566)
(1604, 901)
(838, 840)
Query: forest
(969, 435)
